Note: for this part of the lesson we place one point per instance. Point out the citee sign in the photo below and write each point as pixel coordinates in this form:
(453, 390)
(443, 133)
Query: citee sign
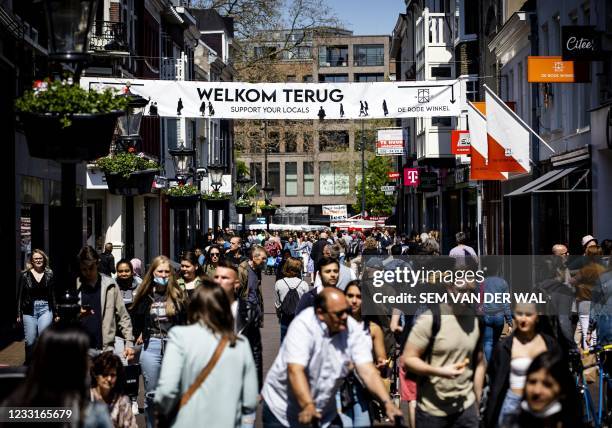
(293, 101)
(580, 43)
(335, 212)
(390, 142)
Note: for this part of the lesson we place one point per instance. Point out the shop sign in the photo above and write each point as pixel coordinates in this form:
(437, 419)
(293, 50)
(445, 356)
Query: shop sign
(460, 142)
(411, 177)
(387, 189)
(393, 175)
(428, 182)
(335, 212)
(390, 142)
(580, 42)
(552, 69)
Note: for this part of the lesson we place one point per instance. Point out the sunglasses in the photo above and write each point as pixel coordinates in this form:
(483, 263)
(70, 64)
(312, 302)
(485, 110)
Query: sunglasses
(339, 314)
(214, 254)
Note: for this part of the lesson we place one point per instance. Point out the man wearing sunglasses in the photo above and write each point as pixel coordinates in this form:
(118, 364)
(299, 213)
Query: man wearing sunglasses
(321, 346)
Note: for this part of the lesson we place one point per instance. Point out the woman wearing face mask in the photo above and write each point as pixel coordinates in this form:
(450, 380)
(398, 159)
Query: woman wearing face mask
(107, 380)
(212, 260)
(159, 304)
(35, 299)
(511, 359)
(191, 271)
(353, 398)
(550, 399)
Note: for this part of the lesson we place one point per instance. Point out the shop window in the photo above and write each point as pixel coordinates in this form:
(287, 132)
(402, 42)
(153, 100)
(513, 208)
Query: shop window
(308, 178)
(291, 178)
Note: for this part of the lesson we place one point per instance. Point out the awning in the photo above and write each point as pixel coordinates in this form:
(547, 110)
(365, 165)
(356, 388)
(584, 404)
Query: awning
(538, 185)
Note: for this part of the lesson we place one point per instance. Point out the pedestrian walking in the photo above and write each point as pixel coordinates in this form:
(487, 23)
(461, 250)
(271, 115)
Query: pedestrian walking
(234, 254)
(104, 315)
(226, 276)
(249, 275)
(321, 344)
(158, 305)
(329, 271)
(59, 377)
(208, 370)
(463, 253)
(507, 369)
(107, 382)
(36, 299)
(287, 293)
(190, 274)
(107, 260)
(212, 260)
(346, 275)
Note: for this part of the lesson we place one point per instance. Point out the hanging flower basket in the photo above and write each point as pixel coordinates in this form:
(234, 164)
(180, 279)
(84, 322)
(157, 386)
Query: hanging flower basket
(268, 211)
(244, 209)
(182, 202)
(216, 204)
(137, 183)
(87, 138)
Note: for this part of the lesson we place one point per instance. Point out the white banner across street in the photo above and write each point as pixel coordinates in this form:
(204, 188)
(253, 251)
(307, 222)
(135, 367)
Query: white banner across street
(310, 101)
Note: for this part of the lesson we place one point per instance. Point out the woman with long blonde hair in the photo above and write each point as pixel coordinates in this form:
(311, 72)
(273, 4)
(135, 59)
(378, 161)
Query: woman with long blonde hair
(159, 304)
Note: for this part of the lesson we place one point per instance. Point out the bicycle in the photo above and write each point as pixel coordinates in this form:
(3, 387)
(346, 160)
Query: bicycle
(594, 412)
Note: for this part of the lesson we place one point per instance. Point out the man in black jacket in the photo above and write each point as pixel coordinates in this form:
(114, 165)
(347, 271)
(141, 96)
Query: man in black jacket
(317, 250)
(107, 260)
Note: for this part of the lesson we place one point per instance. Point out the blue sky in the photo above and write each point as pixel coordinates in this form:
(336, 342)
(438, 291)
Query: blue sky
(368, 16)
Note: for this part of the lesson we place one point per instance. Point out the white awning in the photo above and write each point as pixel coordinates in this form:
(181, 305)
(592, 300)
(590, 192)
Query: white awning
(537, 185)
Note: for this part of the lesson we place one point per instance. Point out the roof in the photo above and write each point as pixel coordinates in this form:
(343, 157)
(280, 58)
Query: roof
(211, 20)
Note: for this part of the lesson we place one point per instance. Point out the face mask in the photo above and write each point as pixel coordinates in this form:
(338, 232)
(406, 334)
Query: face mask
(553, 408)
(160, 281)
(124, 282)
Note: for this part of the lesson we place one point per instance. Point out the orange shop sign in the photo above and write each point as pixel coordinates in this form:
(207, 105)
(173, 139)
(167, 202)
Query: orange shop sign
(552, 69)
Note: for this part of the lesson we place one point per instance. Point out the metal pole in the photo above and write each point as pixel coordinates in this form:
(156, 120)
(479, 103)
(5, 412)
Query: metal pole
(363, 182)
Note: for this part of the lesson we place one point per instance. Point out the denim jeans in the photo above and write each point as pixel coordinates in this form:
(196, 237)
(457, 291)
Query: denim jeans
(510, 405)
(494, 325)
(467, 418)
(358, 416)
(33, 325)
(150, 363)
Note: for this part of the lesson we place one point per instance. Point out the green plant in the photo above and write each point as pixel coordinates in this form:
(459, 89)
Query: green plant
(268, 207)
(243, 202)
(63, 98)
(215, 196)
(125, 163)
(183, 190)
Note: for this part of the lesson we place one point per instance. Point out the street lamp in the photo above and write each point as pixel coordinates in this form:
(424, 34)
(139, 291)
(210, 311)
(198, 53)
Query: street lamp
(182, 158)
(243, 182)
(267, 191)
(215, 172)
(129, 124)
(68, 24)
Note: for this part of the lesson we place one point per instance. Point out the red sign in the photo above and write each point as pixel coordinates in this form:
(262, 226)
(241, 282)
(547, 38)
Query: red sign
(393, 175)
(460, 142)
(411, 177)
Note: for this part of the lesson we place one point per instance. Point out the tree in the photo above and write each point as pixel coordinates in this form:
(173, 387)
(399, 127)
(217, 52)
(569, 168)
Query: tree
(376, 202)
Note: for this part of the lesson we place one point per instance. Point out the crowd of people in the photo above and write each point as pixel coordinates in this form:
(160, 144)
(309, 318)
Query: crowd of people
(195, 335)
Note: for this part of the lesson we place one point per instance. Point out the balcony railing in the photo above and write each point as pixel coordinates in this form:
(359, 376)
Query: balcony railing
(333, 61)
(173, 68)
(109, 37)
(433, 29)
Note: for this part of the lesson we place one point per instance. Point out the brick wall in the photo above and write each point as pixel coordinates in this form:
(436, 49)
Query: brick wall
(115, 12)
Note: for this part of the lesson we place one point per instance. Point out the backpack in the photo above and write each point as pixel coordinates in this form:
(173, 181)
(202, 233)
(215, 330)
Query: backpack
(289, 304)
(353, 250)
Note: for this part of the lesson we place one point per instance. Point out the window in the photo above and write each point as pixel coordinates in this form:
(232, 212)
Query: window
(291, 179)
(333, 56)
(290, 142)
(333, 141)
(374, 77)
(308, 178)
(441, 121)
(333, 179)
(308, 143)
(255, 142)
(368, 55)
(304, 52)
(274, 177)
(291, 78)
(255, 173)
(440, 72)
(471, 90)
(273, 142)
(369, 139)
(307, 78)
(333, 78)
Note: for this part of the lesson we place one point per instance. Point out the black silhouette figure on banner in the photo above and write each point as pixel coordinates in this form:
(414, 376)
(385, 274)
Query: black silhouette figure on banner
(365, 103)
(385, 109)
(211, 110)
(321, 113)
(153, 109)
(361, 109)
(203, 108)
(179, 107)
(341, 110)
